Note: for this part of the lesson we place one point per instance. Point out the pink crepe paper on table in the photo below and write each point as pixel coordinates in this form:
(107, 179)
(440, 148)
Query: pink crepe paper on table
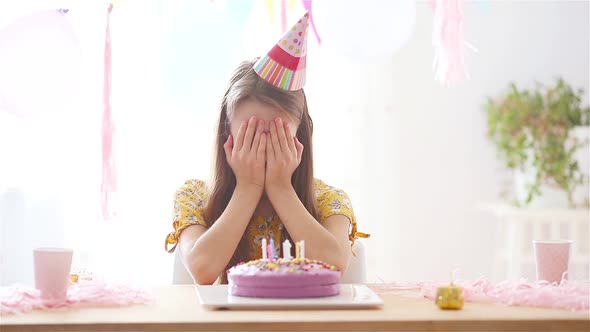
(568, 295)
(93, 292)
(449, 44)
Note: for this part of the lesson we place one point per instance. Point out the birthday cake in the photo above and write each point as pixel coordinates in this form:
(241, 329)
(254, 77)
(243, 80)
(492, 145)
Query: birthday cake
(284, 278)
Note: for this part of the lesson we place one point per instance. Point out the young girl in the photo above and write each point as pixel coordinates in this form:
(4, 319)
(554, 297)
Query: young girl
(262, 184)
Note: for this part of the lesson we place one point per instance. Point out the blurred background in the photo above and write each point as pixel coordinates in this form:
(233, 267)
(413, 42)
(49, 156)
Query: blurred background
(433, 167)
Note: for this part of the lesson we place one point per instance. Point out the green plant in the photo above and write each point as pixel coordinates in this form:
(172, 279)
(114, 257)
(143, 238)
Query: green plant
(531, 129)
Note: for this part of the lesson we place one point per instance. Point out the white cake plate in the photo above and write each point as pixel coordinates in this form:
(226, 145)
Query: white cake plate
(352, 296)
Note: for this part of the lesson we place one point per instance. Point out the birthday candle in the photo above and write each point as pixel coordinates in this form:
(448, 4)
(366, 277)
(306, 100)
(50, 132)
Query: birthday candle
(272, 246)
(264, 255)
(302, 249)
(297, 250)
(286, 250)
(269, 252)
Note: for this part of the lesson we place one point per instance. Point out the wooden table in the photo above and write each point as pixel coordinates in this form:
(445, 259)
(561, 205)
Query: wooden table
(176, 308)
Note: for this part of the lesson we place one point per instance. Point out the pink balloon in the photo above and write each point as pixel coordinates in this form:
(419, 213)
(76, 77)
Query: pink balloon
(39, 64)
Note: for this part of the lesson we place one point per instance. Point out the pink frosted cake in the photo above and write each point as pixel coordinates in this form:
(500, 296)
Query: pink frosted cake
(282, 278)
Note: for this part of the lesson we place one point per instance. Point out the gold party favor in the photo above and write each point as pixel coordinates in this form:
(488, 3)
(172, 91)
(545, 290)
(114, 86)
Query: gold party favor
(450, 297)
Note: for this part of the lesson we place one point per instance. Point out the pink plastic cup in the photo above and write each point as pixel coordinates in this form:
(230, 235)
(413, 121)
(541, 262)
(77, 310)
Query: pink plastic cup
(552, 259)
(52, 273)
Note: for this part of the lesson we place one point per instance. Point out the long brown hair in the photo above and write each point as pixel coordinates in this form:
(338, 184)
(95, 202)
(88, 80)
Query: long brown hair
(245, 84)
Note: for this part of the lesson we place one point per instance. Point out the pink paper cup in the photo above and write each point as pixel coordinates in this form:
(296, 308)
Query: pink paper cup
(52, 274)
(552, 259)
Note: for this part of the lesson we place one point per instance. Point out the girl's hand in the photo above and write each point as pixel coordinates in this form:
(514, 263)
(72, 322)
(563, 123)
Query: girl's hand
(283, 155)
(246, 156)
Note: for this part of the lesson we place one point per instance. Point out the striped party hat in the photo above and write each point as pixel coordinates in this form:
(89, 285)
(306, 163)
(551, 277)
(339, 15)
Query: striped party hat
(284, 65)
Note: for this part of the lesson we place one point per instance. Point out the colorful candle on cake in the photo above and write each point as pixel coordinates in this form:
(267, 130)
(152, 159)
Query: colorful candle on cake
(264, 249)
(297, 250)
(269, 252)
(286, 250)
(272, 247)
(302, 249)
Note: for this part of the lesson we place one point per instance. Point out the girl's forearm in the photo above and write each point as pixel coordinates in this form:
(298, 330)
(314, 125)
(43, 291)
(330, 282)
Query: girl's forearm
(319, 242)
(212, 252)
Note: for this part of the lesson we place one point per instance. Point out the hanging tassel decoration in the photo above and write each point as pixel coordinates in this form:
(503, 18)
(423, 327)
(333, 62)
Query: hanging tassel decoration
(307, 6)
(109, 183)
(448, 42)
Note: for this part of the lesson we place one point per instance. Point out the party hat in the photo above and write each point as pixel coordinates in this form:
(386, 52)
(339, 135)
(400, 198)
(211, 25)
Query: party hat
(284, 65)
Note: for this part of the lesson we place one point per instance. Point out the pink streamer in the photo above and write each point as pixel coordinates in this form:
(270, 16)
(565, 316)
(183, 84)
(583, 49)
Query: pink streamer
(569, 295)
(307, 5)
(447, 39)
(109, 181)
(85, 293)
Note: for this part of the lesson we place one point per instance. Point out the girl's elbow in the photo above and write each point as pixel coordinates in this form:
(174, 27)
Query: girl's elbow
(345, 259)
(342, 265)
(201, 279)
(202, 274)
(341, 262)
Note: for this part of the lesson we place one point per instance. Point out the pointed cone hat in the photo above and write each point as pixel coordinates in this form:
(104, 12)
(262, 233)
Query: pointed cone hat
(284, 65)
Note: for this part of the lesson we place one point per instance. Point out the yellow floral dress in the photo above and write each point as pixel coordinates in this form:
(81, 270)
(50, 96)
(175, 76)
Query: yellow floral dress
(190, 201)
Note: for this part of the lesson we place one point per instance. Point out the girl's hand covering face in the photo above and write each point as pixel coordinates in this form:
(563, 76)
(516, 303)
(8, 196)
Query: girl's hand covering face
(283, 155)
(246, 153)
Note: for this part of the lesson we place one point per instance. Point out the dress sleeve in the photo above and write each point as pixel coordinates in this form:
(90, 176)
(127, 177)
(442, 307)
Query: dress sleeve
(334, 201)
(189, 202)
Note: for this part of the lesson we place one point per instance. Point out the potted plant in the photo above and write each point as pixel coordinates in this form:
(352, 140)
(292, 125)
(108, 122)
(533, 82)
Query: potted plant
(542, 134)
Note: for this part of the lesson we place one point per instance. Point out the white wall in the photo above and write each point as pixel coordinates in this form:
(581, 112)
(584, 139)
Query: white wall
(446, 166)
(425, 161)
(413, 155)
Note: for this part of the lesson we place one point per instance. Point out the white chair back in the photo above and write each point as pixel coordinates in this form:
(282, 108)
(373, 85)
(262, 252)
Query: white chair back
(356, 273)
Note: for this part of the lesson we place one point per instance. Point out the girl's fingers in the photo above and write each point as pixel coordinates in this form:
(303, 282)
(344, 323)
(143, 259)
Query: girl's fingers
(256, 140)
(270, 151)
(288, 139)
(299, 148)
(250, 130)
(274, 138)
(261, 153)
(282, 137)
(240, 137)
(228, 146)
